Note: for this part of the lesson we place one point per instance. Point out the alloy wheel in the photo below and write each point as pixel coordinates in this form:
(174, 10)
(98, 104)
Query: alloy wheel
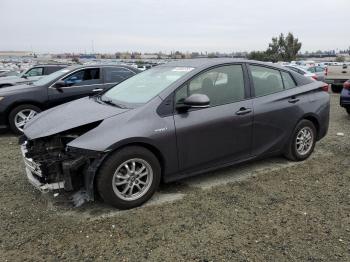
(132, 179)
(304, 140)
(23, 116)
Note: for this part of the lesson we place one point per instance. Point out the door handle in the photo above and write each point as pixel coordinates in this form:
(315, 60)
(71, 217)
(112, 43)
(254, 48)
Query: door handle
(293, 100)
(243, 111)
(97, 90)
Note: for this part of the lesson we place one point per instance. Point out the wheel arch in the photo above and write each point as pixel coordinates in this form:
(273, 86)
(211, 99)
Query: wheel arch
(313, 119)
(23, 102)
(145, 143)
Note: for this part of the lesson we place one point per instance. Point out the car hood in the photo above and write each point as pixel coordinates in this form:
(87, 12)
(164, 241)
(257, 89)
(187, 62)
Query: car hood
(9, 90)
(68, 116)
(14, 80)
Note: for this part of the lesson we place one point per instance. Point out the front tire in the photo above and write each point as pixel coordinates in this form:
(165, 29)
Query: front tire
(302, 142)
(129, 177)
(20, 115)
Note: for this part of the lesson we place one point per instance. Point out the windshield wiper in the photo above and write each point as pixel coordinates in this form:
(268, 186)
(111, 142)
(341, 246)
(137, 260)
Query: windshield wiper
(110, 102)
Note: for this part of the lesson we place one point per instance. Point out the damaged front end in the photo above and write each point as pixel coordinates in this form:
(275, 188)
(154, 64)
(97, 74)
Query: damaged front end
(51, 165)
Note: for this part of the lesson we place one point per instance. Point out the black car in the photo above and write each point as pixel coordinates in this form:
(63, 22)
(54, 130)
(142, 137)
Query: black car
(173, 121)
(20, 103)
(31, 75)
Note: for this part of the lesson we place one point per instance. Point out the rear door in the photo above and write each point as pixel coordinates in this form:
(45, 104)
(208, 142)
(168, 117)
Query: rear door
(80, 83)
(277, 107)
(221, 133)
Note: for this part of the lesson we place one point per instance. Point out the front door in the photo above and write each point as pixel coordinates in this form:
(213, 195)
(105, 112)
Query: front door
(79, 84)
(221, 133)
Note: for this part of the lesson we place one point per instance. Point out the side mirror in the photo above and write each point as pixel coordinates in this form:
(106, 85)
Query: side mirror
(59, 84)
(195, 101)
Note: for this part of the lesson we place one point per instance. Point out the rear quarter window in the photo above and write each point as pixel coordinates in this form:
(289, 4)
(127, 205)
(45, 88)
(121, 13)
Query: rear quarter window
(288, 80)
(266, 80)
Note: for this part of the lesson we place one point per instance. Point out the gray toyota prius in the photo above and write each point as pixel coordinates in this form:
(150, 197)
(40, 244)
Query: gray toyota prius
(170, 122)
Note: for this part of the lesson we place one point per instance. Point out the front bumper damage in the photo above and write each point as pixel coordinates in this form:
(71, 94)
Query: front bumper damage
(51, 165)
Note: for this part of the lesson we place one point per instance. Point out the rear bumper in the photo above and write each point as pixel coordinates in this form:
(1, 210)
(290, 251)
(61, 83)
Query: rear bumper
(335, 82)
(345, 98)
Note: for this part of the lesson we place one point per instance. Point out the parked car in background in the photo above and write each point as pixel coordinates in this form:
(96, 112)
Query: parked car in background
(173, 121)
(319, 71)
(18, 104)
(303, 71)
(31, 75)
(345, 96)
(336, 76)
(7, 73)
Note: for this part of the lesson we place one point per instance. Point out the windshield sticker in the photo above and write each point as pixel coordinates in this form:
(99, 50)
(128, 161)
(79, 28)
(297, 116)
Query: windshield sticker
(182, 69)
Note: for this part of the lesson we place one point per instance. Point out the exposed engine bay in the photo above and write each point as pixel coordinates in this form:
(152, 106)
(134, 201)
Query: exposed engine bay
(51, 165)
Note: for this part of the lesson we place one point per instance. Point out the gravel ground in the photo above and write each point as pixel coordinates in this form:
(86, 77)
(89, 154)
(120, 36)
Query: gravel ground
(270, 210)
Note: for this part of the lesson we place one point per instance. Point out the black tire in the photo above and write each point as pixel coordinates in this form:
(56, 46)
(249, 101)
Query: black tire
(105, 176)
(14, 112)
(291, 151)
(348, 110)
(336, 89)
(5, 85)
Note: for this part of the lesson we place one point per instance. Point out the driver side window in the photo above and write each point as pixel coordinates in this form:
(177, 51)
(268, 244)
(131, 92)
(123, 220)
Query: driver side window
(223, 85)
(85, 76)
(36, 71)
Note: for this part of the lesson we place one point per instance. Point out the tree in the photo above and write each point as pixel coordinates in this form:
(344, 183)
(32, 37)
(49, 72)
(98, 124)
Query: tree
(280, 49)
(340, 59)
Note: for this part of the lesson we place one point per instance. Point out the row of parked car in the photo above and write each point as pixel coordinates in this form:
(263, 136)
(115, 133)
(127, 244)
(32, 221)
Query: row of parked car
(45, 86)
(336, 75)
(129, 131)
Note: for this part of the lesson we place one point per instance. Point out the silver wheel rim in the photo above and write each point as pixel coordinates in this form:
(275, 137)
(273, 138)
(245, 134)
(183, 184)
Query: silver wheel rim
(22, 118)
(304, 141)
(132, 179)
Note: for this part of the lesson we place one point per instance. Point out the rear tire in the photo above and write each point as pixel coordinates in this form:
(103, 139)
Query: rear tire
(122, 180)
(336, 89)
(5, 85)
(20, 115)
(348, 110)
(302, 142)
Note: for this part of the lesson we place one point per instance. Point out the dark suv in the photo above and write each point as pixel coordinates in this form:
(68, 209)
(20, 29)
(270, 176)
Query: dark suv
(18, 104)
(173, 121)
(31, 75)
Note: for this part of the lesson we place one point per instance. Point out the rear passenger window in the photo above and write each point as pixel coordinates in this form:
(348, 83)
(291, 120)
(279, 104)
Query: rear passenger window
(288, 80)
(266, 80)
(223, 85)
(117, 74)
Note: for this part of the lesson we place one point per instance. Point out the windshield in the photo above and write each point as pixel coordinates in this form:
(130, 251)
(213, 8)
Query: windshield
(142, 87)
(47, 79)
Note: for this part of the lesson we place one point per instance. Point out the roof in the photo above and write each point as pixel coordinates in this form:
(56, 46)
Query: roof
(207, 62)
(72, 67)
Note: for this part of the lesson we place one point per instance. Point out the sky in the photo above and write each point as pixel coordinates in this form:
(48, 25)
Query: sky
(107, 26)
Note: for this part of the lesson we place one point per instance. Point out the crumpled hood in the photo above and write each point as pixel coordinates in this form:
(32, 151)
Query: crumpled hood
(67, 116)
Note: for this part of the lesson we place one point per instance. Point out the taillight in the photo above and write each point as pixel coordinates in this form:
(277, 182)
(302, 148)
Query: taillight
(314, 77)
(346, 85)
(326, 71)
(325, 87)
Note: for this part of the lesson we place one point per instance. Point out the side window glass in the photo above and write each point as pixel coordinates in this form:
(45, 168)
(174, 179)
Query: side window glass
(266, 80)
(222, 85)
(116, 75)
(82, 76)
(288, 80)
(37, 71)
(312, 69)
